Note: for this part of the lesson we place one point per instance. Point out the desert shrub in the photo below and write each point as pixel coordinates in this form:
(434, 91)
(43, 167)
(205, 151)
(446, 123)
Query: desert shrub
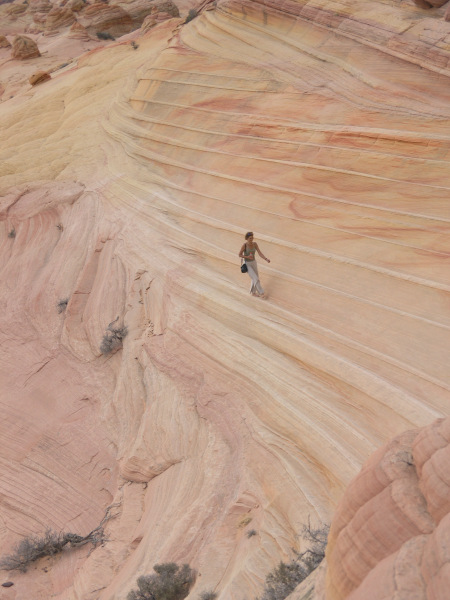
(134, 45)
(34, 547)
(113, 338)
(191, 15)
(251, 533)
(208, 596)
(170, 582)
(286, 576)
(62, 305)
(12, 233)
(104, 35)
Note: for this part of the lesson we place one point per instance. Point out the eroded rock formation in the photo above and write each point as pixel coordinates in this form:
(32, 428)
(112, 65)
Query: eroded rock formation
(24, 47)
(59, 17)
(127, 185)
(388, 537)
(4, 42)
(161, 10)
(39, 77)
(102, 17)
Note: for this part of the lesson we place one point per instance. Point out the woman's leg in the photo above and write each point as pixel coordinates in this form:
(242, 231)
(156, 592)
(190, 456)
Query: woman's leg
(253, 272)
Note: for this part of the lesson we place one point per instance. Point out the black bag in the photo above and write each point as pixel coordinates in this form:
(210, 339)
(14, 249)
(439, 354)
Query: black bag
(244, 268)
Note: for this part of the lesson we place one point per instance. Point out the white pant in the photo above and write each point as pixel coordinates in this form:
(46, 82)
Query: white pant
(254, 276)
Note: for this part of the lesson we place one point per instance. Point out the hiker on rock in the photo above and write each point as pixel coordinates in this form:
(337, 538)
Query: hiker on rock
(247, 253)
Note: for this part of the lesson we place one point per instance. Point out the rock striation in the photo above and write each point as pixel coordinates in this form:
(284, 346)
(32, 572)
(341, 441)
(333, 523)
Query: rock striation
(106, 18)
(78, 31)
(388, 535)
(23, 47)
(127, 185)
(39, 77)
(4, 42)
(161, 10)
(59, 17)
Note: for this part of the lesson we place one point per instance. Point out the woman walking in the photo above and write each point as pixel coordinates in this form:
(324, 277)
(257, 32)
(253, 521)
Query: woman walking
(247, 253)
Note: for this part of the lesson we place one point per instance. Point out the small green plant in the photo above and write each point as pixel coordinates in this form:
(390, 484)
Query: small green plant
(134, 45)
(104, 35)
(12, 233)
(251, 533)
(170, 582)
(113, 338)
(191, 15)
(62, 305)
(282, 580)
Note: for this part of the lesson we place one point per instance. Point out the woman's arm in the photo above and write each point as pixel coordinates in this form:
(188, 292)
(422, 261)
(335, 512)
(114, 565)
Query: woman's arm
(241, 252)
(261, 254)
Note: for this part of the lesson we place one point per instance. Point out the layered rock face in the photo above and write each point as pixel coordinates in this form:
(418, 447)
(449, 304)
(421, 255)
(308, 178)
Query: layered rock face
(128, 184)
(390, 534)
(24, 47)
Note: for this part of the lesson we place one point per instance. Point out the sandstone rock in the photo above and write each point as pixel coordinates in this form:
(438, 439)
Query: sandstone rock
(40, 6)
(310, 127)
(101, 17)
(39, 77)
(161, 11)
(15, 10)
(59, 17)
(4, 43)
(430, 3)
(76, 5)
(34, 28)
(40, 18)
(79, 32)
(24, 47)
(392, 521)
(140, 9)
(447, 14)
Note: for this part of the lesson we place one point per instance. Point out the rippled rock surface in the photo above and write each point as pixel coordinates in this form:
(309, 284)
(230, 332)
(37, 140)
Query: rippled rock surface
(128, 182)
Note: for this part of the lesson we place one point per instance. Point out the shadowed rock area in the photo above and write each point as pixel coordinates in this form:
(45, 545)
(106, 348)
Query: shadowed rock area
(128, 181)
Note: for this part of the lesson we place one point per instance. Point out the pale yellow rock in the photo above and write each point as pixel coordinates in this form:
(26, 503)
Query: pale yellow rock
(327, 136)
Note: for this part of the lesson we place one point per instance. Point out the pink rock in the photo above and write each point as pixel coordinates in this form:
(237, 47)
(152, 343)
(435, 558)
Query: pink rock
(78, 31)
(390, 532)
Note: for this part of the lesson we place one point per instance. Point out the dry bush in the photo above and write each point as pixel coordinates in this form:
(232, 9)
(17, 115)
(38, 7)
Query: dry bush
(191, 15)
(34, 547)
(62, 305)
(286, 576)
(171, 582)
(113, 338)
(104, 35)
(208, 596)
